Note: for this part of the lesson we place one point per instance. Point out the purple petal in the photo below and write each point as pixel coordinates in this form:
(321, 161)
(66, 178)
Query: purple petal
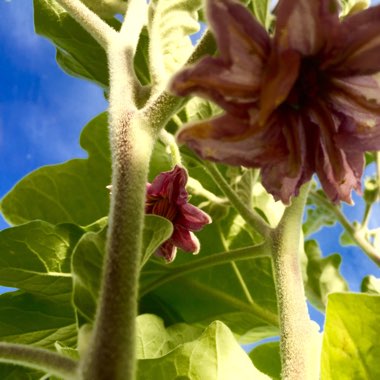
(192, 218)
(168, 251)
(234, 141)
(305, 25)
(360, 54)
(185, 240)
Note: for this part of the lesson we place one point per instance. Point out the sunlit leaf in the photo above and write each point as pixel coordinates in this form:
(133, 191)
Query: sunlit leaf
(170, 24)
(323, 275)
(260, 9)
(88, 259)
(266, 358)
(36, 257)
(213, 355)
(351, 348)
(371, 285)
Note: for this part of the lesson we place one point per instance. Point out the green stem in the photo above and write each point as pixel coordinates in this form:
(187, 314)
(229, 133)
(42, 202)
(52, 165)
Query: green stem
(38, 358)
(90, 21)
(169, 140)
(355, 235)
(174, 272)
(378, 169)
(249, 215)
(295, 325)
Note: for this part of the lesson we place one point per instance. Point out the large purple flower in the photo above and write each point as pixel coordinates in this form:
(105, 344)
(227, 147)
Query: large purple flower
(167, 197)
(304, 101)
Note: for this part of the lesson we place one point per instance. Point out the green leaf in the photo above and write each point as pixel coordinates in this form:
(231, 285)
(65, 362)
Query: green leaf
(37, 320)
(260, 9)
(317, 218)
(240, 294)
(214, 355)
(73, 192)
(13, 372)
(351, 347)
(154, 340)
(77, 52)
(36, 257)
(371, 285)
(156, 231)
(88, 259)
(323, 275)
(266, 358)
(170, 24)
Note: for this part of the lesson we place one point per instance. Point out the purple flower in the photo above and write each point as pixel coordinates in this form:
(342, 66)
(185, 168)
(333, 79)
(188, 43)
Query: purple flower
(304, 101)
(167, 197)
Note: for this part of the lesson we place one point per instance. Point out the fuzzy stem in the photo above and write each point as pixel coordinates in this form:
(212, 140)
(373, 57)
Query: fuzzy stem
(169, 140)
(295, 325)
(249, 215)
(38, 358)
(90, 21)
(356, 235)
(112, 350)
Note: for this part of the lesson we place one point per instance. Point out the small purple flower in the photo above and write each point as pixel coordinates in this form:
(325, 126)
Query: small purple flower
(167, 197)
(304, 101)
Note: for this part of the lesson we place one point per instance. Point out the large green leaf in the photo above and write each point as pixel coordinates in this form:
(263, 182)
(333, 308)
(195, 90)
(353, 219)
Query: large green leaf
(266, 358)
(12, 372)
(88, 259)
(36, 257)
(77, 52)
(73, 192)
(240, 294)
(185, 353)
(323, 275)
(351, 347)
(37, 320)
(170, 24)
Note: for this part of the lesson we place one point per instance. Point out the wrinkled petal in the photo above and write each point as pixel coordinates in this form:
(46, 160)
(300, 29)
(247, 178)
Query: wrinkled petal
(192, 218)
(233, 141)
(235, 76)
(168, 251)
(361, 53)
(280, 76)
(185, 240)
(170, 185)
(305, 25)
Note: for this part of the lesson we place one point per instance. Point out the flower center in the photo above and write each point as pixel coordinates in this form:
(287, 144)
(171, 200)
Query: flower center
(162, 207)
(311, 83)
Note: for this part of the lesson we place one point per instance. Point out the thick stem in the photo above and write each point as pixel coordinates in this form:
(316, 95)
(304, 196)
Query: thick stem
(38, 358)
(112, 350)
(249, 215)
(90, 21)
(297, 331)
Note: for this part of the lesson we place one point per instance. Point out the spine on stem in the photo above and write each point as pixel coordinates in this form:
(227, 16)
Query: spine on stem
(299, 335)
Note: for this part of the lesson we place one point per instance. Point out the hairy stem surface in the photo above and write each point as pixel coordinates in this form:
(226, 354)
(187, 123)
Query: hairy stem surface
(38, 358)
(297, 331)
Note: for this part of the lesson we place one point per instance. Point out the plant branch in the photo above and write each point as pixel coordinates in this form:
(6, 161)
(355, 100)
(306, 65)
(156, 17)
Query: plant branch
(164, 105)
(90, 21)
(174, 272)
(295, 326)
(249, 215)
(378, 170)
(169, 141)
(38, 358)
(355, 235)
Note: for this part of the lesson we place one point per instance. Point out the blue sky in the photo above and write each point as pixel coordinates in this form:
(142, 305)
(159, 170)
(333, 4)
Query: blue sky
(43, 110)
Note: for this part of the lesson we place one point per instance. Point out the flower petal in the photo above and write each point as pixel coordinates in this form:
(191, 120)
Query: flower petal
(185, 240)
(280, 76)
(305, 25)
(361, 53)
(167, 250)
(234, 141)
(235, 76)
(192, 218)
